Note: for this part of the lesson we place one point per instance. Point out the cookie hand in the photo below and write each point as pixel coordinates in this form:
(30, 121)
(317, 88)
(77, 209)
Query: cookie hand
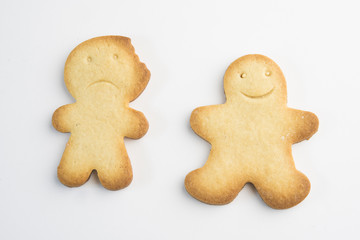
(304, 125)
(205, 121)
(62, 119)
(137, 124)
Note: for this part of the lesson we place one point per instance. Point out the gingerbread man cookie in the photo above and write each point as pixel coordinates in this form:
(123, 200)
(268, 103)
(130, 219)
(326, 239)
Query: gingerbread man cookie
(103, 74)
(251, 137)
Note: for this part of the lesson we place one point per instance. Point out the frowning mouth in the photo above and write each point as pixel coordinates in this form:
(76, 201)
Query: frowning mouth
(258, 96)
(102, 81)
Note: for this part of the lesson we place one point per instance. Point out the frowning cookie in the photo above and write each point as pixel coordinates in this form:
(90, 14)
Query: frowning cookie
(103, 74)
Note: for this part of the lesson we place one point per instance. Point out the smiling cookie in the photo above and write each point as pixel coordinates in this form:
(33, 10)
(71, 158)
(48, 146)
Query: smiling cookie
(103, 74)
(251, 137)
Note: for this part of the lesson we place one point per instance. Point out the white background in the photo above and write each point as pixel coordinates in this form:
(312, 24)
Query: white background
(187, 46)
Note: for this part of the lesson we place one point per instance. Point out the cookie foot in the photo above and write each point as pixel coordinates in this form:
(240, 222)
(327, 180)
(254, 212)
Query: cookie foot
(284, 190)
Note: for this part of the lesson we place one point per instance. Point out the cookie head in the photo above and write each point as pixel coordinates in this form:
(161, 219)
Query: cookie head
(255, 77)
(107, 61)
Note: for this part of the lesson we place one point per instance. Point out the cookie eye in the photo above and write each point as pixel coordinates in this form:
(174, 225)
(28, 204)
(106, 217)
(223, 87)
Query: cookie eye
(89, 59)
(243, 75)
(267, 73)
(115, 56)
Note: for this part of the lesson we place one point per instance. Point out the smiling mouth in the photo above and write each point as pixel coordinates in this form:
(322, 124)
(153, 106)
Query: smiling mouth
(102, 81)
(258, 96)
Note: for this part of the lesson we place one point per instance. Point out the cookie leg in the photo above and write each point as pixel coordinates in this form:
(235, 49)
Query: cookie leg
(73, 170)
(114, 170)
(217, 182)
(284, 188)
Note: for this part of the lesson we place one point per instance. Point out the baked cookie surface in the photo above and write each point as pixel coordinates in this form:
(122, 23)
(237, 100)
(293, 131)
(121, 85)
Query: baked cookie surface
(251, 137)
(103, 74)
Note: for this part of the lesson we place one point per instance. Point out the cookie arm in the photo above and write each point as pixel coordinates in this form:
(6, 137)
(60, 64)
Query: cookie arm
(303, 125)
(203, 119)
(137, 125)
(62, 119)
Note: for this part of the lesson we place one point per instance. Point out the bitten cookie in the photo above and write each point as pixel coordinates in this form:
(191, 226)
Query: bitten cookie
(103, 74)
(251, 137)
